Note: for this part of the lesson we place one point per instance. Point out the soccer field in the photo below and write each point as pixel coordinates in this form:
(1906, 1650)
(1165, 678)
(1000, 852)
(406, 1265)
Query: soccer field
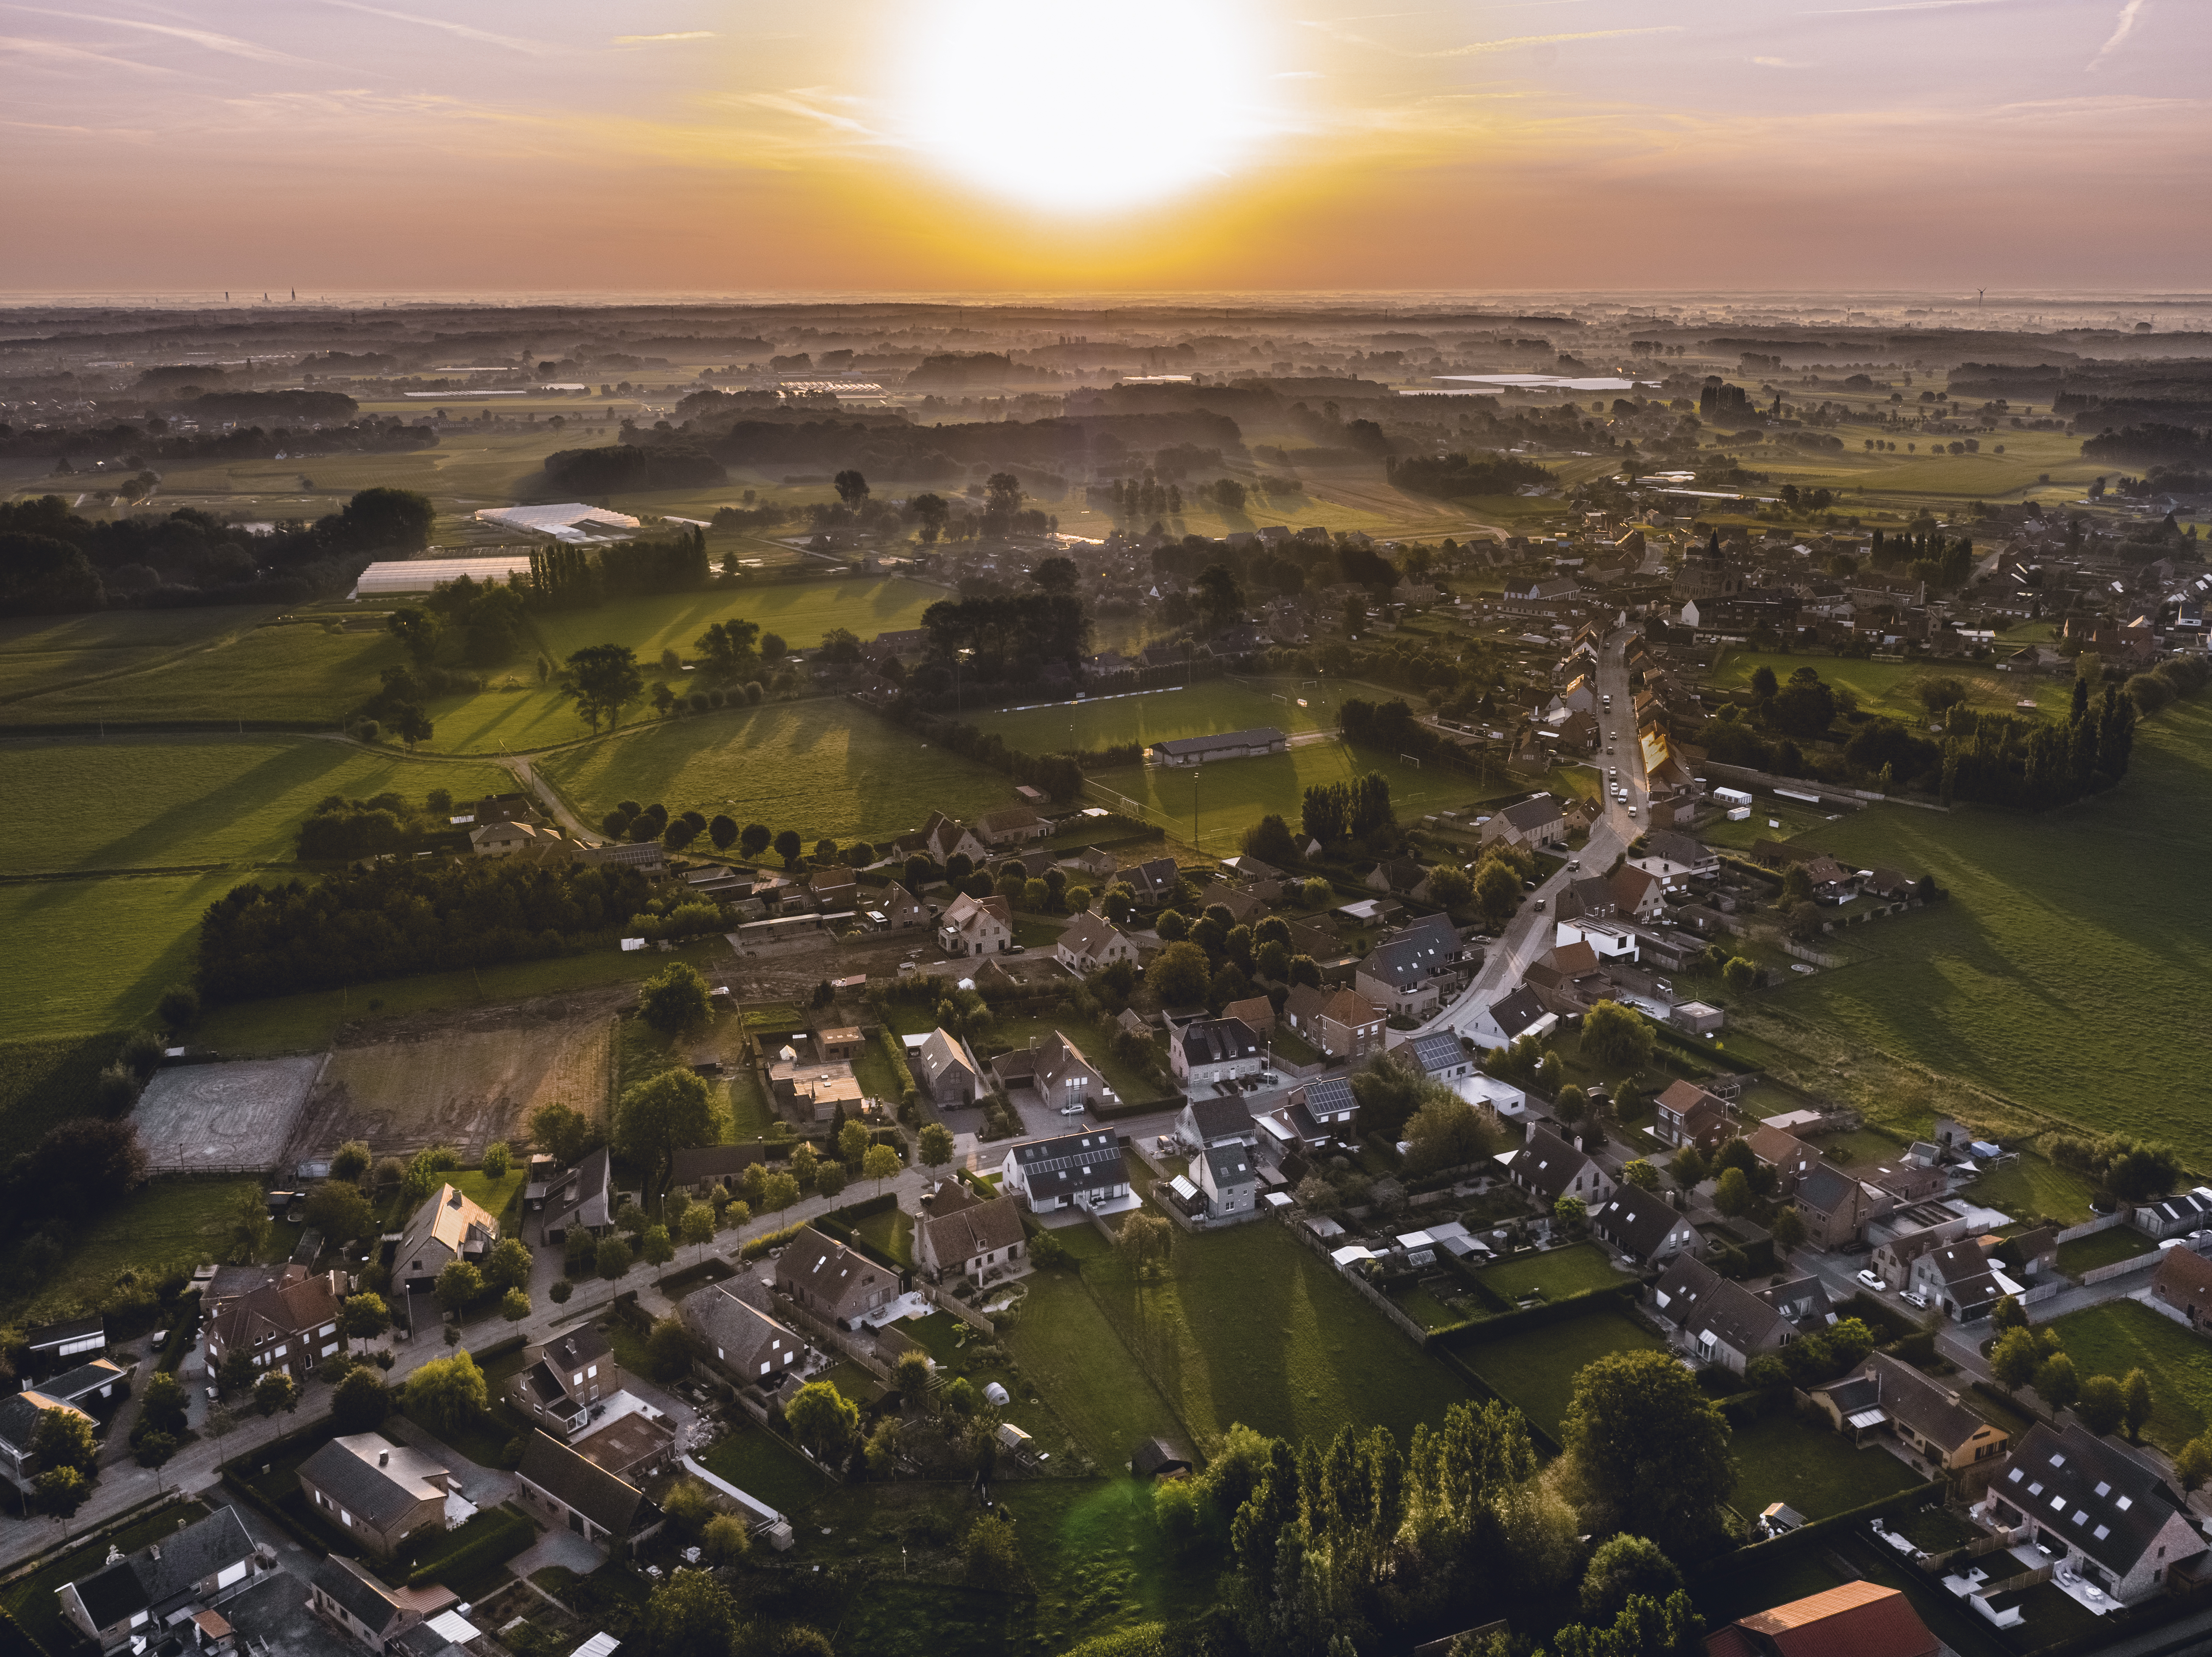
(1148, 716)
(1211, 806)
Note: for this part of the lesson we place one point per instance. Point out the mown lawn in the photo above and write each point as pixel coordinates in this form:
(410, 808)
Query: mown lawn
(1557, 1272)
(96, 955)
(2123, 1335)
(1780, 1458)
(2032, 1185)
(2031, 979)
(1247, 1326)
(1892, 687)
(761, 1465)
(1234, 794)
(1071, 1353)
(822, 767)
(2105, 1248)
(1534, 1370)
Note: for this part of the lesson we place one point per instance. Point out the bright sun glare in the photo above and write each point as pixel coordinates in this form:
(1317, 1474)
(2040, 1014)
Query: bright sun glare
(1084, 108)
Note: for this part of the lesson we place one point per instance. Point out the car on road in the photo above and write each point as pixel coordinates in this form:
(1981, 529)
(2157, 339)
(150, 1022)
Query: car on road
(1631, 811)
(1612, 771)
(1856, 1246)
(1872, 1281)
(1017, 949)
(1540, 906)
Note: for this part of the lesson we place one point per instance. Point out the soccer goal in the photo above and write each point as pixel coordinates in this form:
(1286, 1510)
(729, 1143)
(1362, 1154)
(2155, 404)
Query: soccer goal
(1408, 759)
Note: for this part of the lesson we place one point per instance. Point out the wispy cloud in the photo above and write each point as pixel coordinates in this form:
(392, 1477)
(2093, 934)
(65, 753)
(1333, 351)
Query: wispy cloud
(648, 40)
(2121, 29)
(789, 103)
(463, 31)
(229, 45)
(1474, 48)
(60, 51)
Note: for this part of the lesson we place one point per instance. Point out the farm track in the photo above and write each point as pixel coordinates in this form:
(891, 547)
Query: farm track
(198, 647)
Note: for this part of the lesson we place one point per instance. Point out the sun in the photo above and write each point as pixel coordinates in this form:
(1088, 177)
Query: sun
(1084, 109)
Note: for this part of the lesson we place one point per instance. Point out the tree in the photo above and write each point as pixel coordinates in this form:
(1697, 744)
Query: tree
(602, 680)
(509, 1265)
(1650, 1448)
(911, 1376)
(364, 1316)
(352, 1160)
(496, 1159)
(1640, 1172)
(614, 1259)
(1219, 597)
(564, 1133)
(179, 1009)
(823, 1421)
(1739, 975)
(2015, 1358)
(163, 1404)
(460, 1284)
(2008, 1313)
(669, 1349)
(658, 1248)
(779, 1192)
(360, 1403)
(726, 1540)
(689, 1615)
(936, 1145)
(1144, 1243)
(1788, 1229)
(445, 1394)
(675, 1000)
(514, 1305)
(2060, 1387)
(2103, 1405)
(64, 1437)
(1449, 886)
(1732, 1193)
(1570, 1212)
(662, 1115)
(1180, 975)
(1497, 891)
(698, 1225)
(2135, 1403)
(881, 1163)
(236, 1372)
(1616, 1037)
(852, 488)
(2194, 1463)
(275, 1391)
(249, 1225)
(1624, 1566)
(61, 1490)
(338, 1210)
(1445, 1132)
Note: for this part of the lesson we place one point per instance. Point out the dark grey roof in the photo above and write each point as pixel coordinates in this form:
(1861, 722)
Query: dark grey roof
(1433, 929)
(1637, 1220)
(112, 1594)
(1931, 1411)
(1406, 961)
(1328, 1096)
(1259, 736)
(1516, 1012)
(162, 1570)
(1684, 848)
(81, 1382)
(1804, 1301)
(2093, 1494)
(1737, 1319)
(1231, 1165)
(367, 1603)
(697, 1162)
(1824, 1188)
(19, 1417)
(359, 1484)
(612, 1503)
(1547, 1164)
(1219, 1118)
(1532, 813)
(1071, 1164)
(1219, 1041)
(71, 1329)
(1156, 1455)
(1682, 1288)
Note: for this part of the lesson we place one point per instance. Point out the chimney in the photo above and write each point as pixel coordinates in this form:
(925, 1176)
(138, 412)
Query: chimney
(384, 1458)
(153, 1552)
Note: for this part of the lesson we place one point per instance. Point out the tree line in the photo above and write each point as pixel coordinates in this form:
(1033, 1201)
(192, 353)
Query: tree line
(1448, 475)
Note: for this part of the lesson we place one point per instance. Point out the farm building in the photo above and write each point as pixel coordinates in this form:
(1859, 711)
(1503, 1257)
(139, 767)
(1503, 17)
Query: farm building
(570, 520)
(1230, 744)
(392, 577)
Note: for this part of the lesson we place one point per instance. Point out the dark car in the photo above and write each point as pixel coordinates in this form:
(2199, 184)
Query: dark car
(1856, 1246)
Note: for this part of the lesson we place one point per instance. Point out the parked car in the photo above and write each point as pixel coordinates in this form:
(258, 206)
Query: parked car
(1856, 1246)
(1872, 1281)
(1910, 1299)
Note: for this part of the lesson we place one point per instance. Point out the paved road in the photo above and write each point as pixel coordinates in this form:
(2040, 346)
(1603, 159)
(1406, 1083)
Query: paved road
(1530, 933)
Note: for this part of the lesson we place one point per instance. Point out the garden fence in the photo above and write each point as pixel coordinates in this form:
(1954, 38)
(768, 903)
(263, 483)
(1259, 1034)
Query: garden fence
(2122, 1268)
(1406, 1327)
(2091, 1227)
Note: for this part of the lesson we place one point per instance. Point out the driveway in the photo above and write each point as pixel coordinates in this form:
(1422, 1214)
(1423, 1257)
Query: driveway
(564, 1547)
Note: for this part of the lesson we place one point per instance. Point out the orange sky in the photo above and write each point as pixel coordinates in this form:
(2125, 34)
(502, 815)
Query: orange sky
(930, 145)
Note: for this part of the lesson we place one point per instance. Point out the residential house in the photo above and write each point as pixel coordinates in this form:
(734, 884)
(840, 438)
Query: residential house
(1676, 859)
(377, 1492)
(1535, 822)
(578, 1199)
(1442, 1056)
(1926, 1415)
(2176, 1215)
(635, 1443)
(1589, 898)
(1056, 1069)
(975, 1239)
(1084, 1169)
(1905, 1180)
(1090, 942)
(1257, 1012)
(1790, 1157)
(2104, 1515)
(900, 910)
(504, 839)
(812, 1090)
(572, 1493)
(699, 1169)
(1721, 1322)
(1959, 1278)
(945, 1072)
(19, 1415)
(1549, 1168)
(1322, 1112)
(1244, 904)
(1834, 1206)
(1093, 862)
(564, 1377)
(1228, 745)
(1688, 1115)
(343, 1594)
(1341, 1023)
(1504, 1022)
(1401, 876)
(647, 854)
(89, 1384)
(739, 1340)
(837, 1284)
(1153, 881)
(1637, 894)
(1013, 826)
(130, 1602)
(1642, 1224)
(834, 891)
(448, 1228)
(1409, 973)
(2182, 1287)
(50, 1343)
(942, 838)
(1217, 1120)
(292, 1325)
(1859, 1619)
(975, 926)
(1208, 1052)
(1229, 1177)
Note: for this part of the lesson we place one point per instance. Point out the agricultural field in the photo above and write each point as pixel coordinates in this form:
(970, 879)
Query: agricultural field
(1780, 1458)
(295, 674)
(45, 1081)
(1235, 794)
(1247, 1326)
(185, 801)
(1943, 479)
(41, 653)
(1206, 709)
(801, 612)
(1892, 687)
(2123, 1335)
(87, 955)
(2031, 979)
(822, 767)
(164, 1223)
(1534, 1370)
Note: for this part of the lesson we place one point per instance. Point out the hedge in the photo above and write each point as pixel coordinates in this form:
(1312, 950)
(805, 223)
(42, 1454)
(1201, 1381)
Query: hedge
(493, 1536)
(1758, 1554)
(761, 1245)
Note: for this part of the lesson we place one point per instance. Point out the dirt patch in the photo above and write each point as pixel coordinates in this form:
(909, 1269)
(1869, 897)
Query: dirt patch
(228, 1119)
(462, 1078)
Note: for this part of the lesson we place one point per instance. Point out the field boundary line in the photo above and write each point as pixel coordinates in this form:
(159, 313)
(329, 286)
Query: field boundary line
(176, 656)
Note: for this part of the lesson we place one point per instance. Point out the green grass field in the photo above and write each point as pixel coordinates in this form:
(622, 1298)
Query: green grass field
(1558, 1273)
(1235, 794)
(1892, 687)
(41, 653)
(163, 1224)
(1070, 1352)
(2103, 1248)
(823, 768)
(1534, 1370)
(2123, 1335)
(2064, 936)
(96, 955)
(1780, 1458)
(296, 673)
(1249, 1327)
(762, 1464)
(177, 802)
(2034, 1186)
(801, 612)
(1206, 709)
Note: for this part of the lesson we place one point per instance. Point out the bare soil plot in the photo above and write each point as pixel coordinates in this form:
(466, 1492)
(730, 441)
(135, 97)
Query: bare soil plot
(222, 1118)
(463, 1079)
